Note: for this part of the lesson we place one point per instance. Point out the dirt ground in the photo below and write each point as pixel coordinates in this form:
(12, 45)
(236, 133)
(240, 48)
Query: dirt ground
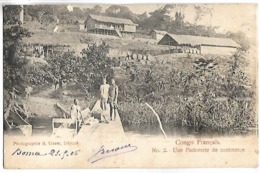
(42, 104)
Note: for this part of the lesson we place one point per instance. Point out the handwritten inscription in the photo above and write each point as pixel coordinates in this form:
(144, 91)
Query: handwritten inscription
(54, 153)
(103, 152)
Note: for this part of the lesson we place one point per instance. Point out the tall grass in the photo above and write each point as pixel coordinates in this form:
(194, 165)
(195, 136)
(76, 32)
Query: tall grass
(219, 99)
(216, 116)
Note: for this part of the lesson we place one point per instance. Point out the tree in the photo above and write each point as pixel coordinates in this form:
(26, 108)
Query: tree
(11, 14)
(94, 65)
(87, 70)
(77, 13)
(13, 58)
(240, 38)
(12, 38)
(19, 70)
(121, 12)
(179, 19)
(236, 80)
(62, 67)
(43, 13)
(97, 9)
(159, 19)
(202, 11)
(13, 33)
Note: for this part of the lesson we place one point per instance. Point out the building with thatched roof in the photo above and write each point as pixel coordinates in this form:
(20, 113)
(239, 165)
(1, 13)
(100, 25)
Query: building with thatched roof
(109, 25)
(200, 45)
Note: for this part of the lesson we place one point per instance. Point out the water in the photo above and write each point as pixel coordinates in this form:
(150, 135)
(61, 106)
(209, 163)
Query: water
(182, 131)
(42, 126)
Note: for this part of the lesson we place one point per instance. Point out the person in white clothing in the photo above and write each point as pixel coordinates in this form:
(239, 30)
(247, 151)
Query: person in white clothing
(104, 94)
(28, 91)
(75, 112)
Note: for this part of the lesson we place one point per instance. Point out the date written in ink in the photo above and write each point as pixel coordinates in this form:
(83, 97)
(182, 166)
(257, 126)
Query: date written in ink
(53, 153)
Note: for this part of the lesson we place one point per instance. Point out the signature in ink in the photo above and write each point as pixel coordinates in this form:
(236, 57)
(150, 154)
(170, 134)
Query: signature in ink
(103, 152)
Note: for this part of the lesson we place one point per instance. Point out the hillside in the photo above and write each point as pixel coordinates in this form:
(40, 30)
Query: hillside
(78, 40)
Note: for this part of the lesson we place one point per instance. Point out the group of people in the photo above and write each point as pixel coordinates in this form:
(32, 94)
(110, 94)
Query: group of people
(108, 95)
(13, 92)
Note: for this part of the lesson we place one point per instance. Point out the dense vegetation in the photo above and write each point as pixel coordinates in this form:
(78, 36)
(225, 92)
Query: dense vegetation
(205, 92)
(87, 71)
(14, 68)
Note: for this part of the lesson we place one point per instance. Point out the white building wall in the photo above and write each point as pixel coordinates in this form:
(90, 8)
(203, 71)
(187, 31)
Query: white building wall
(129, 28)
(217, 50)
(81, 27)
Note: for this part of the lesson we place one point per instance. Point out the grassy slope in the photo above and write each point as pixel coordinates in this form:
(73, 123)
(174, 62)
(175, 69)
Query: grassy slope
(118, 44)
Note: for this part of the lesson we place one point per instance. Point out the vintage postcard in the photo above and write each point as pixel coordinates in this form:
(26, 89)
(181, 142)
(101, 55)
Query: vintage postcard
(130, 86)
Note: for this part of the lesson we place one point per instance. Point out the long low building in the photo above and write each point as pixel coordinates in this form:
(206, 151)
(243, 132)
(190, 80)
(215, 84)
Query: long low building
(200, 45)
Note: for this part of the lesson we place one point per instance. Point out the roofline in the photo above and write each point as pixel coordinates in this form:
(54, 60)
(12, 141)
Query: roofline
(213, 45)
(89, 15)
(159, 30)
(238, 46)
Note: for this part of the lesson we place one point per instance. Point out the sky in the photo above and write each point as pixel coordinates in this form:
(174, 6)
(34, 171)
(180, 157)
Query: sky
(228, 17)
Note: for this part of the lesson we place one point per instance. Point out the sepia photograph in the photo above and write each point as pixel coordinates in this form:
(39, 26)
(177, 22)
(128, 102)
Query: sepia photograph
(94, 85)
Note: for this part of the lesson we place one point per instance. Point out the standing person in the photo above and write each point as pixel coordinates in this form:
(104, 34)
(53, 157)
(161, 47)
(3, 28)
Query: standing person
(112, 98)
(56, 82)
(75, 112)
(104, 95)
(13, 93)
(28, 91)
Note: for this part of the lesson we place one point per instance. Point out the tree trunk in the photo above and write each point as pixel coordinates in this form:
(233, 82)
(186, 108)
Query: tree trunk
(12, 54)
